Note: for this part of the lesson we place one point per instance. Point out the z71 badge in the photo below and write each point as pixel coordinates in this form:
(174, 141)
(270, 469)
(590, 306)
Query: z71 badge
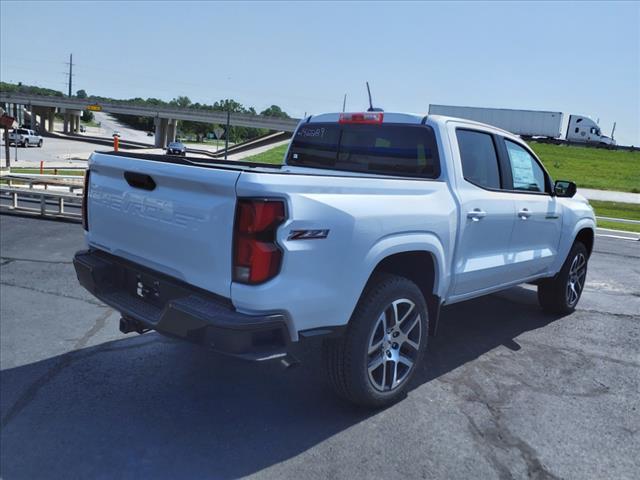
(308, 234)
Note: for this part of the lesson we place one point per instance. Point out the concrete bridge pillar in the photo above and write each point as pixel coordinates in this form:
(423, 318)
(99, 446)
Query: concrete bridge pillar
(161, 132)
(65, 127)
(52, 116)
(171, 130)
(32, 117)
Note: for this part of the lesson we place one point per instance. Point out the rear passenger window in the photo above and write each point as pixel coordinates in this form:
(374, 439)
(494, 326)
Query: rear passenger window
(527, 174)
(479, 158)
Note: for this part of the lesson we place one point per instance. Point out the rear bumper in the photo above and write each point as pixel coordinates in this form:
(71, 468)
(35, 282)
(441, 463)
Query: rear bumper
(176, 309)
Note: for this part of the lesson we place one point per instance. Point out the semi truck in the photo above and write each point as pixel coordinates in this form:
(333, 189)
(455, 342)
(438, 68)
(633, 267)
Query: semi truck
(531, 123)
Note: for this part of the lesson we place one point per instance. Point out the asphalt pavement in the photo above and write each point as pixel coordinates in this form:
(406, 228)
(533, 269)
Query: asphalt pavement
(505, 391)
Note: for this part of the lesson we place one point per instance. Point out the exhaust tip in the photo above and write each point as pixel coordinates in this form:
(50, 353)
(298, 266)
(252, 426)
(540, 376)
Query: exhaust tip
(289, 362)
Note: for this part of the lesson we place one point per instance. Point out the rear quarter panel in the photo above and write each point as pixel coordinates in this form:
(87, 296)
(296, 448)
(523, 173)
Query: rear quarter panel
(368, 219)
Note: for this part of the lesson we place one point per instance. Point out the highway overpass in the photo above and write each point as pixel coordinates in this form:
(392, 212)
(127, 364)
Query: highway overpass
(165, 116)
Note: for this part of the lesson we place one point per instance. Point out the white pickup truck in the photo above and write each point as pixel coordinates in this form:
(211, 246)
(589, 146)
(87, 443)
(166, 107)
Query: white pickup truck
(374, 222)
(25, 137)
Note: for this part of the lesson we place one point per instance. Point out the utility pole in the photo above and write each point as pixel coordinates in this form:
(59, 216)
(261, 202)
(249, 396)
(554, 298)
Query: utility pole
(6, 137)
(6, 148)
(226, 135)
(70, 72)
(344, 102)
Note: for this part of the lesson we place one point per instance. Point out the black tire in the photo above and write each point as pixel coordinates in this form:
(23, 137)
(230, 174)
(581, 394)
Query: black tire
(348, 358)
(25, 144)
(40, 143)
(561, 294)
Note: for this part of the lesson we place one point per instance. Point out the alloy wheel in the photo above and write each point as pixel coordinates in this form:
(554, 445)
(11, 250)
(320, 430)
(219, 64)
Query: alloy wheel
(577, 275)
(394, 345)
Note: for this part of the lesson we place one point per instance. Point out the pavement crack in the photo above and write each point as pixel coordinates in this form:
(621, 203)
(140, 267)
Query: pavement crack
(17, 259)
(63, 362)
(609, 314)
(585, 356)
(55, 294)
(32, 391)
(97, 326)
(495, 436)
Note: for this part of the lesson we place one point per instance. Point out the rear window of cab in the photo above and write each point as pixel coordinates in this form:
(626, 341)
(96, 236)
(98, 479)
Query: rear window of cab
(384, 149)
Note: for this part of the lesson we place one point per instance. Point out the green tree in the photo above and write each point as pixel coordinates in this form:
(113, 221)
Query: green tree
(274, 111)
(181, 101)
(81, 94)
(87, 116)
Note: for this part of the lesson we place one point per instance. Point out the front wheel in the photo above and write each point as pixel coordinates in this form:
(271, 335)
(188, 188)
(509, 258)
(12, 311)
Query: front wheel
(40, 144)
(561, 293)
(372, 364)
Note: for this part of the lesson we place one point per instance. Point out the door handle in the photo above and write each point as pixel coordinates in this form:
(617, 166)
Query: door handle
(524, 214)
(476, 214)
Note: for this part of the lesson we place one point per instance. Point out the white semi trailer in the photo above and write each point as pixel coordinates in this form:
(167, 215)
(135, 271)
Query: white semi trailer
(530, 123)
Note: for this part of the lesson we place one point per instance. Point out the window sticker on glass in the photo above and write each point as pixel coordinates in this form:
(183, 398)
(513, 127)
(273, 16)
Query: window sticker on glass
(521, 169)
(526, 173)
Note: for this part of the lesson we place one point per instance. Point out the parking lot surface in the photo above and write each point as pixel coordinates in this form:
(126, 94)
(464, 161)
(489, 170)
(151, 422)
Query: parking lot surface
(505, 391)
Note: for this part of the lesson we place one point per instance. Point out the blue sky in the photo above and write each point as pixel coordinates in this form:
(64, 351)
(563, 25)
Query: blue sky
(570, 57)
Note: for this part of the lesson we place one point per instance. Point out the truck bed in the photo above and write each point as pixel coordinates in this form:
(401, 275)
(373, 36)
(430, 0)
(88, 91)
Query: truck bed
(197, 161)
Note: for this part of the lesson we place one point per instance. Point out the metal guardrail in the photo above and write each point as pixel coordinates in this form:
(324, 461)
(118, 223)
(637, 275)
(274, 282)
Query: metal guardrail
(51, 204)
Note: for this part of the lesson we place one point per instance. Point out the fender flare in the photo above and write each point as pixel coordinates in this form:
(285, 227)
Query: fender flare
(567, 242)
(409, 242)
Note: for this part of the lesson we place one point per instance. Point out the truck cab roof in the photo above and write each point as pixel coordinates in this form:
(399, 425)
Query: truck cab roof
(410, 119)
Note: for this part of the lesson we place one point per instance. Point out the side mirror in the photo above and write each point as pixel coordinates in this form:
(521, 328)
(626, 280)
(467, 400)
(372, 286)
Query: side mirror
(564, 188)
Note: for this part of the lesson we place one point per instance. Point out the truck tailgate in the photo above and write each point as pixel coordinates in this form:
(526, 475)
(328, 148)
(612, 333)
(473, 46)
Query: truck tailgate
(173, 218)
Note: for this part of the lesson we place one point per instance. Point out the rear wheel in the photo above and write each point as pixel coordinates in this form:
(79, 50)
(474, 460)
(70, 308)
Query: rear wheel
(40, 143)
(372, 364)
(25, 143)
(561, 294)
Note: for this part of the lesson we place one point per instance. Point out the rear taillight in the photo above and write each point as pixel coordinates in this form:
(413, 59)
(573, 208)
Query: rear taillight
(256, 255)
(85, 200)
(364, 117)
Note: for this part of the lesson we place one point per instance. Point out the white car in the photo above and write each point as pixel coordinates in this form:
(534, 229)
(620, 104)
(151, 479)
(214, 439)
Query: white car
(374, 222)
(25, 137)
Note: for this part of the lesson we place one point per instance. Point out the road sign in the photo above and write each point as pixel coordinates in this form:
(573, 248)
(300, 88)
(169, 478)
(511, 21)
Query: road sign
(218, 131)
(95, 107)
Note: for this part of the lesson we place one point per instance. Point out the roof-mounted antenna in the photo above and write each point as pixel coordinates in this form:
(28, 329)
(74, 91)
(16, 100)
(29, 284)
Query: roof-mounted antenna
(371, 108)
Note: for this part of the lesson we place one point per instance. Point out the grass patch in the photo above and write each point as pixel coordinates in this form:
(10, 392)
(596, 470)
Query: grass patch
(591, 167)
(629, 211)
(627, 227)
(588, 167)
(47, 171)
(275, 156)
